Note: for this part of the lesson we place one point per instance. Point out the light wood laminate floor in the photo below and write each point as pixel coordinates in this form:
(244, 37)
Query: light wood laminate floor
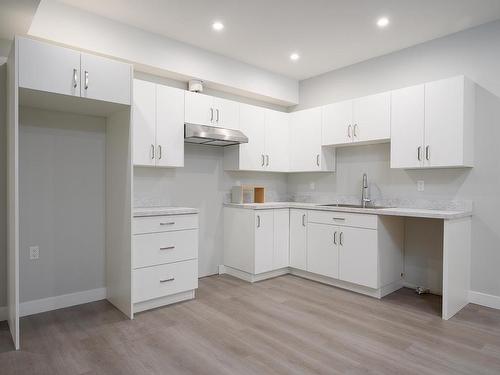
(286, 325)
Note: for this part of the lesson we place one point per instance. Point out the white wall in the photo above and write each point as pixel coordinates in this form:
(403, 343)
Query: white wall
(202, 184)
(3, 183)
(473, 53)
(157, 54)
(62, 202)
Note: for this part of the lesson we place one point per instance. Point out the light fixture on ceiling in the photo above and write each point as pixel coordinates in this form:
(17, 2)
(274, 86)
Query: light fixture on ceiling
(218, 26)
(383, 22)
(294, 56)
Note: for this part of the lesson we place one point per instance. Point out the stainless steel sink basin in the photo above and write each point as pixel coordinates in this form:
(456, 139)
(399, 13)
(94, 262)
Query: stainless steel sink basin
(344, 205)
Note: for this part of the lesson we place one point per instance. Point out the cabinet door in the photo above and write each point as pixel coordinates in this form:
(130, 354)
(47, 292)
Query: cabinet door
(277, 141)
(49, 68)
(169, 126)
(358, 256)
(144, 122)
(105, 79)
(407, 127)
(199, 108)
(372, 118)
(444, 111)
(298, 239)
(253, 125)
(337, 123)
(322, 252)
(281, 254)
(264, 240)
(227, 113)
(305, 140)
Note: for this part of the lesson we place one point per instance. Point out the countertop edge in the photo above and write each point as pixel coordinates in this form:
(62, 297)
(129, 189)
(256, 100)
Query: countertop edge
(162, 211)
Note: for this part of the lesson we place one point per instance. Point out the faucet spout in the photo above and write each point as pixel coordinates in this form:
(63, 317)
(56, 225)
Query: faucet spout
(364, 191)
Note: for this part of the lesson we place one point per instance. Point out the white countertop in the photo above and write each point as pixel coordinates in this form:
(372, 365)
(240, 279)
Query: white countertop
(393, 211)
(159, 211)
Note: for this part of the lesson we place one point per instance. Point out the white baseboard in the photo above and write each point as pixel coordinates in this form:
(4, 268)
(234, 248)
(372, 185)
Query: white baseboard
(59, 302)
(4, 315)
(483, 299)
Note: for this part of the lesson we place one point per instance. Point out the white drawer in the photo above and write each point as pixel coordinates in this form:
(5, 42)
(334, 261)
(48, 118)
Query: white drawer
(164, 247)
(164, 280)
(343, 219)
(154, 224)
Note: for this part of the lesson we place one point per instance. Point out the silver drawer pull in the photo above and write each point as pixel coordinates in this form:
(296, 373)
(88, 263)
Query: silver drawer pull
(339, 218)
(168, 223)
(167, 248)
(167, 280)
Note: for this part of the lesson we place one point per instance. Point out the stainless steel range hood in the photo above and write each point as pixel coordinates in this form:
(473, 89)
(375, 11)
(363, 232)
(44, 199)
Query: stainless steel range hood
(213, 136)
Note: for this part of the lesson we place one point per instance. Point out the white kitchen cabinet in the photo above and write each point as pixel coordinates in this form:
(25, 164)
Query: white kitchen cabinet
(256, 241)
(432, 125)
(407, 127)
(361, 120)
(306, 152)
(105, 79)
(298, 239)
(158, 121)
(253, 125)
(277, 140)
(204, 109)
(322, 250)
(49, 68)
(358, 256)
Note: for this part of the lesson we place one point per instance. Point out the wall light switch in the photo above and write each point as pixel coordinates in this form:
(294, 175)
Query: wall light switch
(420, 185)
(34, 252)
(312, 185)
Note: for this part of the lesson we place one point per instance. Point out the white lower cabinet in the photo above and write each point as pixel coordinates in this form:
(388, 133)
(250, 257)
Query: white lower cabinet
(298, 239)
(165, 260)
(322, 252)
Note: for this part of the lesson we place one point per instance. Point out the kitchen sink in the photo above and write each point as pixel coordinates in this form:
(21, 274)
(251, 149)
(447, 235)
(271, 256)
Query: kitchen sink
(344, 205)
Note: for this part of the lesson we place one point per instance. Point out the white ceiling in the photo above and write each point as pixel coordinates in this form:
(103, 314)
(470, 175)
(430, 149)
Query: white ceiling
(328, 34)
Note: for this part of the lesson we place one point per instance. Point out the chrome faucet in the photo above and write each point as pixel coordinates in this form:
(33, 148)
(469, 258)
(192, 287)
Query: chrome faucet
(364, 191)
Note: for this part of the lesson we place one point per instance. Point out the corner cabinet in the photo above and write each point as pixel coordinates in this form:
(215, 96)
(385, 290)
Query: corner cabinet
(158, 123)
(432, 125)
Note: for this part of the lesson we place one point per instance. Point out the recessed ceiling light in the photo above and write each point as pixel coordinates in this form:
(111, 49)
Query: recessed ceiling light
(294, 56)
(382, 22)
(217, 26)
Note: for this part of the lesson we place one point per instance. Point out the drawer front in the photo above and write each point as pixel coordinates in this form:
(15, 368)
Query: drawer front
(167, 223)
(164, 280)
(343, 219)
(165, 247)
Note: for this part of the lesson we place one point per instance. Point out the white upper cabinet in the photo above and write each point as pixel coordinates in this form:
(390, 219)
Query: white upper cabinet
(407, 127)
(49, 68)
(337, 123)
(204, 109)
(158, 121)
(105, 79)
(169, 126)
(253, 125)
(432, 125)
(306, 152)
(361, 120)
(277, 141)
(372, 118)
(144, 122)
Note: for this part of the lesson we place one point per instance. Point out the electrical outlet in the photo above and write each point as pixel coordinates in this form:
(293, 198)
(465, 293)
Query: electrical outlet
(420, 185)
(34, 252)
(312, 185)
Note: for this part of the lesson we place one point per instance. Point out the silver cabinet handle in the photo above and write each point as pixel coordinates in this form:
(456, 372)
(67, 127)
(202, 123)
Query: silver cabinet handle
(339, 218)
(341, 239)
(167, 280)
(217, 111)
(168, 223)
(167, 248)
(427, 152)
(419, 153)
(267, 160)
(159, 151)
(335, 238)
(75, 78)
(263, 160)
(211, 115)
(152, 151)
(354, 132)
(258, 221)
(304, 220)
(86, 80)
(317, 160)
(349, 131)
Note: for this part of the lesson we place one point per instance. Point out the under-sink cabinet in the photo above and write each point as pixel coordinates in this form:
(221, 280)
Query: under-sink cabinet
(164, 260)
